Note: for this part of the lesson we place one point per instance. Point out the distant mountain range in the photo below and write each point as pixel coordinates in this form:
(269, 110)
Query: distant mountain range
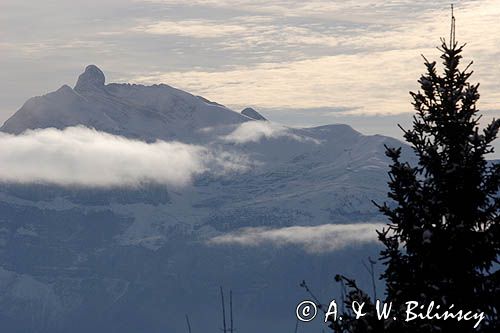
(136, 259)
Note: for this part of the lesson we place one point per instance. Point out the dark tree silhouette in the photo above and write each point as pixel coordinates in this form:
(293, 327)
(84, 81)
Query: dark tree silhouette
(442, 242)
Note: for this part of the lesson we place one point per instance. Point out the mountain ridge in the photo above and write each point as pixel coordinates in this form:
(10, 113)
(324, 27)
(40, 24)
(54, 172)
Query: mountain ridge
(132, 110)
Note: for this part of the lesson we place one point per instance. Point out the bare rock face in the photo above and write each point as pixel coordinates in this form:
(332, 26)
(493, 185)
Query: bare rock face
(251, 113)
(93, 78)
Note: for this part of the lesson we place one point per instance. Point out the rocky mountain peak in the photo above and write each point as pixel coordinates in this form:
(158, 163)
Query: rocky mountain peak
(92, 78)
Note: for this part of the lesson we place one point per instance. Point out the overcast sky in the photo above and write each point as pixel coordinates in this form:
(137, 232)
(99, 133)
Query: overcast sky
(298, 62)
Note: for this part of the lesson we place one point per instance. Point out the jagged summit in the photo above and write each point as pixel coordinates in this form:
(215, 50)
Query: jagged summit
(251, 113)
(91, 78)
(131, 110)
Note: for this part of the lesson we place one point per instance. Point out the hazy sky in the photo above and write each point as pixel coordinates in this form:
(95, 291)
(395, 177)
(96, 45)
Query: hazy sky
(298, 62)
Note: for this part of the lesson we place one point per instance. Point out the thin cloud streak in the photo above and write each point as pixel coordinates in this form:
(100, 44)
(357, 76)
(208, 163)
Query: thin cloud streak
(241, 33)
(313, 239)
(361, 11)
(255, 131)
(190, 28)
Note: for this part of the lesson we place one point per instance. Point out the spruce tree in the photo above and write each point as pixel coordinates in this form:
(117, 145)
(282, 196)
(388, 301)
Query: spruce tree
(442, 242)
(443, 239)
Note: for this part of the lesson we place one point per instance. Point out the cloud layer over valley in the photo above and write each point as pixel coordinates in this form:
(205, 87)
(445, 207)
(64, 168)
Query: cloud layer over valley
(313, 239)
(85, 157)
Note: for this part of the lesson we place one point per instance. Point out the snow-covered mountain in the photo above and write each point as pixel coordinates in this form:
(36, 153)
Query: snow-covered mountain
(146, 112)
(137, 259)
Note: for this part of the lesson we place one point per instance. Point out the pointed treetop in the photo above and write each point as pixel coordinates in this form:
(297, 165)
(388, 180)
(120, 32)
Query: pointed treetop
(452, 32)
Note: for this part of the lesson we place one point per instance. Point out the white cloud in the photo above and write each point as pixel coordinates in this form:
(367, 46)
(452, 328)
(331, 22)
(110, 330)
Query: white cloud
(85, 157)
(359, 11)
(191, 28)
(254, 131)
(367, 67)
(241, 33)
(369, 83)
(315, 239)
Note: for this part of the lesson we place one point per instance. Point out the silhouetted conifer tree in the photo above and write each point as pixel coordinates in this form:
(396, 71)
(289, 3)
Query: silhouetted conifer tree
(442, 242)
